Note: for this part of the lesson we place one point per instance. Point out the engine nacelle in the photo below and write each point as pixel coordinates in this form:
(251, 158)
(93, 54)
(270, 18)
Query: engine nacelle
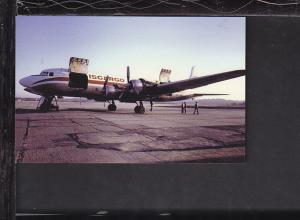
(136, 86)
(110, 91)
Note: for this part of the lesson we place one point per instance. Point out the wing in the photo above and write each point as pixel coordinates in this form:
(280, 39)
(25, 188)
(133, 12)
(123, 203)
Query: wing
(204, 94)
(193, 82)
(167, 98)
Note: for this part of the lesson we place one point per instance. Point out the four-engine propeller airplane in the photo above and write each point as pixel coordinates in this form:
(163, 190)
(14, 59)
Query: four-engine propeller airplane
(73, 83)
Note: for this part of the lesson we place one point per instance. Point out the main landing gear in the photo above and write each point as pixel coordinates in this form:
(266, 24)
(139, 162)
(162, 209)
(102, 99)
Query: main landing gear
(112, 107)
(139, 109)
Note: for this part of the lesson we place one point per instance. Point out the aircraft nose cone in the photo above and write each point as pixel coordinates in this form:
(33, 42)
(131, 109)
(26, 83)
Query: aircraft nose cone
(25, 82)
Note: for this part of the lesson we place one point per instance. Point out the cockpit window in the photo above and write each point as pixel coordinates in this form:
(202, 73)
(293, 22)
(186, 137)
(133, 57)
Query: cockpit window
(44, 74)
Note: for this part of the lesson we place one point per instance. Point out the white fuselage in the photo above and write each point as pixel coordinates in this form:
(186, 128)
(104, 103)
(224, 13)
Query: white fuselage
(56, 82)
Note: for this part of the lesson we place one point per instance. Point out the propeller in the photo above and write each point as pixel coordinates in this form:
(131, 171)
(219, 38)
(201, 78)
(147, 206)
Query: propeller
(128, 74)
(105, 85)
(128, 86)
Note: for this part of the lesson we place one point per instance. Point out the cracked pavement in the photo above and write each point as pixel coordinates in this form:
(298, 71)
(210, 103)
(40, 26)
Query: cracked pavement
(87, 133)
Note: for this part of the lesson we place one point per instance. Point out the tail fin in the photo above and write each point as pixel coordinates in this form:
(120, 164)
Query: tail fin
(164, 76)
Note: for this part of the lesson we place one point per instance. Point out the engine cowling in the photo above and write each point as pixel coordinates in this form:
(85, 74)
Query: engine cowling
(136, 90)
(110, 91)
(136, 86)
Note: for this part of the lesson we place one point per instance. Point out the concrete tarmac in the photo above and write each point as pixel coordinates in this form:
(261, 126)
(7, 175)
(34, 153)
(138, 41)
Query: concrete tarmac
(88, 133)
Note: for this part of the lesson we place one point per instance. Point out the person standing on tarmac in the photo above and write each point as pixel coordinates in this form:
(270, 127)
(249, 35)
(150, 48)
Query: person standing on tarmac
(196, 108)
(184, 107)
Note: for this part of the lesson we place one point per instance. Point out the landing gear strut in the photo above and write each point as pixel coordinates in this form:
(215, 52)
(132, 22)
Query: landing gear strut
(139, 109)
(112, 107)
(151, 104)
(45, 104)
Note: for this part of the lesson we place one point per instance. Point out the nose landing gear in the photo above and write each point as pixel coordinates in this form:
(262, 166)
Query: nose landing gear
(46, 104)
(139, 109)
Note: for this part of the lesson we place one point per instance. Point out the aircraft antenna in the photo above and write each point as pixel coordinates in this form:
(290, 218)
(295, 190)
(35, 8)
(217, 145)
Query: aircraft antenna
(192, 72)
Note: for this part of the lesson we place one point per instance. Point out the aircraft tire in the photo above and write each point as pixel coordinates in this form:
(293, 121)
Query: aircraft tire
(139, 109)
(112, 107)
(142, 109)
(136, 109)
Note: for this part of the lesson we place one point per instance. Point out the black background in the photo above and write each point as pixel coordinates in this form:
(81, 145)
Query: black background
(268, 181)
(159, 7)
(265, 186)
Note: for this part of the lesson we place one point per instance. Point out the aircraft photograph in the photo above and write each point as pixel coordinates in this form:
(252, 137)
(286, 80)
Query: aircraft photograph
(63, 82)
(157, 106)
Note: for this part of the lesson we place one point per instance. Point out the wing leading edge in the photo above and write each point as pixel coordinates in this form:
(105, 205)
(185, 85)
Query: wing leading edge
(192, 83)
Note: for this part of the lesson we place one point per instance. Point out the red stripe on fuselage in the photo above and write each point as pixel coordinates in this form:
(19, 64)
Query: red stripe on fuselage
(67, 79)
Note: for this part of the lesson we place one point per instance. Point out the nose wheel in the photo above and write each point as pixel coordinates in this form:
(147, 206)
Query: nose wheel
(139, 109)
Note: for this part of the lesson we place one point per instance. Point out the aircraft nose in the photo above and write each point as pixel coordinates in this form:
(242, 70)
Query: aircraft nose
(25, 82)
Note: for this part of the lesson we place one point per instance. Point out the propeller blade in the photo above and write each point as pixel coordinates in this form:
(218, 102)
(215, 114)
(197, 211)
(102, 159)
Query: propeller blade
(105, 84)
(128, 74)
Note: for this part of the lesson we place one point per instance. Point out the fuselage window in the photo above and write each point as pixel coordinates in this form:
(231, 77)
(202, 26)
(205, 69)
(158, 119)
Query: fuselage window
(51, 74)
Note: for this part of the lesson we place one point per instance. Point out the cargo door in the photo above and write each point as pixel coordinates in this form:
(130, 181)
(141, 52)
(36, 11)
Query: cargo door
(164, 76)
(78, 73)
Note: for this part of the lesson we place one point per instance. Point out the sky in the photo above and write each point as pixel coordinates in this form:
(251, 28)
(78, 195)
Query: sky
(146, 44)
